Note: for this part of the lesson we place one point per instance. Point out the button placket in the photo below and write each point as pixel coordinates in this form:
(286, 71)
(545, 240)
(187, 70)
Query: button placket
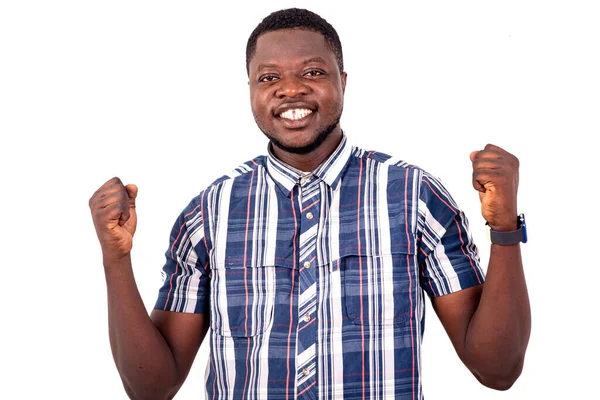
(307, 334)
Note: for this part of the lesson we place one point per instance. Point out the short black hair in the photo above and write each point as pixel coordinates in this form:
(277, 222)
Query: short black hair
(295, 18)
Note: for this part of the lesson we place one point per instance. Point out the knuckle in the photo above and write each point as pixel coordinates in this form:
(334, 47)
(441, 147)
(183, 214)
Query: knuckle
(121, 207)
(124, 198)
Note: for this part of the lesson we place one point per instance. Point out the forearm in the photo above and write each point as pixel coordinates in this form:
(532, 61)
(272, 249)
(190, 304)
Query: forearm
(142, 356)
(498, 334)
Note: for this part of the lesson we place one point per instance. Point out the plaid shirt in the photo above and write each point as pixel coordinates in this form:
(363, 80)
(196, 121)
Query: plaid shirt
(315, 283)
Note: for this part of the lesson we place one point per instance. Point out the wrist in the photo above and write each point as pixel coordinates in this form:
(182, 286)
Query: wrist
(504, 226)
(111, 260)
(509, 234)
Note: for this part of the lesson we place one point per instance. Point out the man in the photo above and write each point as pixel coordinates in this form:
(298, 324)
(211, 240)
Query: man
(309, 265)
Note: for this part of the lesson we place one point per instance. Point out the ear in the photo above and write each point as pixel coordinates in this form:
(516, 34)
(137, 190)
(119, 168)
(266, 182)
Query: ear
(344, 76)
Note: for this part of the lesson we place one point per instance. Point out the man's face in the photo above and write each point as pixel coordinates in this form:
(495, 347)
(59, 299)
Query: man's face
(296, 89)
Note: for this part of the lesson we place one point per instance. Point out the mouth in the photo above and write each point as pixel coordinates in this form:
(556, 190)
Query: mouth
(295, 115)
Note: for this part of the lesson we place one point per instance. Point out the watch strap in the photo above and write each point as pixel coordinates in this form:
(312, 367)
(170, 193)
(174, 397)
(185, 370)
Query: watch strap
(510, 237)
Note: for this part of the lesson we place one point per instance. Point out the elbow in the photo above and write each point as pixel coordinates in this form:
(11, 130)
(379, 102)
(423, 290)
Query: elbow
(499, 383)
(133, 395)
(146, 394)
(149, 385)
(149, 391)
(502, 380)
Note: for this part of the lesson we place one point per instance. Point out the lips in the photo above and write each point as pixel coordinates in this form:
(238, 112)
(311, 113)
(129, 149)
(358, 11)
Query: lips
(293, 106)
(295, 115)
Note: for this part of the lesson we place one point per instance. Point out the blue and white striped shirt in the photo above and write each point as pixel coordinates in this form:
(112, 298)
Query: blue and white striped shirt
(315, 283)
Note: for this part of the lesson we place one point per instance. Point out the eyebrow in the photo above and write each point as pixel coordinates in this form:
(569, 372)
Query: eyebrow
(305, 62)
(266, 66)
(314, 60)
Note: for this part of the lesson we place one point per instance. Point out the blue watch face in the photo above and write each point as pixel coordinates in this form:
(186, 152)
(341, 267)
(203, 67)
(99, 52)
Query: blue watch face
(523, 227)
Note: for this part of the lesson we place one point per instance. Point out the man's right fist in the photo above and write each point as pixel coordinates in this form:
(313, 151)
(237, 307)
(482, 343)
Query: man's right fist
(113, 212)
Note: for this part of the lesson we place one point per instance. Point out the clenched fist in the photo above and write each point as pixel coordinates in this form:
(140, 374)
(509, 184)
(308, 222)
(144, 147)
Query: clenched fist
(115, 219)
(496, 177)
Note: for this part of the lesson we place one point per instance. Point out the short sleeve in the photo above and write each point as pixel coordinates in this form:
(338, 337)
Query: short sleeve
(448, 257)
(185, 273)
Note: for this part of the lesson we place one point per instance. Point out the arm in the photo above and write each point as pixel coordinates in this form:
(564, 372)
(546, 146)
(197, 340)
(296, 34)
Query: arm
(489, 325)
(153, 355)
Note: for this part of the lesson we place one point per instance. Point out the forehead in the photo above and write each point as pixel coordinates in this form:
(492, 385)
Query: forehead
(289, 46)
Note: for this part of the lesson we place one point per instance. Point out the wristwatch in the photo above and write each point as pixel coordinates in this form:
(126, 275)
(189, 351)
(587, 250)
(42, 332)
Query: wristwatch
(511, 237)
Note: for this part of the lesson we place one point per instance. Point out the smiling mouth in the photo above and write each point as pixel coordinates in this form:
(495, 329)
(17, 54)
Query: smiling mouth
(295, 114)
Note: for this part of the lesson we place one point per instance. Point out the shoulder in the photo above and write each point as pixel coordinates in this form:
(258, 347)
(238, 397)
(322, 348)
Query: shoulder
(240, 173)
(380, 159)
(401, 171)
(236, 175)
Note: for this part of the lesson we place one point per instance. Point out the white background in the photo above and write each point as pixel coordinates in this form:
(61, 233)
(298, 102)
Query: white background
(156, 93)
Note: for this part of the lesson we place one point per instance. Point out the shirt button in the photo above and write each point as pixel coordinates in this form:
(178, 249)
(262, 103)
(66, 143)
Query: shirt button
(305, 372)
(306, 264)
(306, 318)
(309, 215)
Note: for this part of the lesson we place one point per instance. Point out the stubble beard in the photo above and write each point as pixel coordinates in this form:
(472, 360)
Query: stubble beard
(318, 140)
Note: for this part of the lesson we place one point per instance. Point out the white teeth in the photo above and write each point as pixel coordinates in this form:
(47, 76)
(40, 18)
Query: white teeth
(295, 114)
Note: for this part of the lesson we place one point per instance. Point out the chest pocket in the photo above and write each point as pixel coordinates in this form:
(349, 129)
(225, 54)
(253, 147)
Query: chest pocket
(379, 288)
(242, 299)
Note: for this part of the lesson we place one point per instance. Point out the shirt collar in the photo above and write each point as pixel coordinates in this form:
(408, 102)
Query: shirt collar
(330, 170)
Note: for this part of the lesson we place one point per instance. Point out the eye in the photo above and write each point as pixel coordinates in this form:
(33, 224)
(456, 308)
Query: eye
(314, 73)
(268, 78)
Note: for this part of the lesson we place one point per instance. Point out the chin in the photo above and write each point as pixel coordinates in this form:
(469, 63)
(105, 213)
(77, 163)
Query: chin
(298, 146)
(301, 141)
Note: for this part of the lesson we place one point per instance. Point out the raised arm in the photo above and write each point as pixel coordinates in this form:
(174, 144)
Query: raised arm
(489, 325)
(153, 355)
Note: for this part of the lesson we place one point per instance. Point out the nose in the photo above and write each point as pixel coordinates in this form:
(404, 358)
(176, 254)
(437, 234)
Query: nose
(291, 86)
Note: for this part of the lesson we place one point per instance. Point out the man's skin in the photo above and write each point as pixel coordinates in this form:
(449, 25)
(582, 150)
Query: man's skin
(488, 324)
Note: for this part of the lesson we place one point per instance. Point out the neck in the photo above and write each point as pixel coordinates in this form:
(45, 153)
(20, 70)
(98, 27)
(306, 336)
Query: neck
(310, 161)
